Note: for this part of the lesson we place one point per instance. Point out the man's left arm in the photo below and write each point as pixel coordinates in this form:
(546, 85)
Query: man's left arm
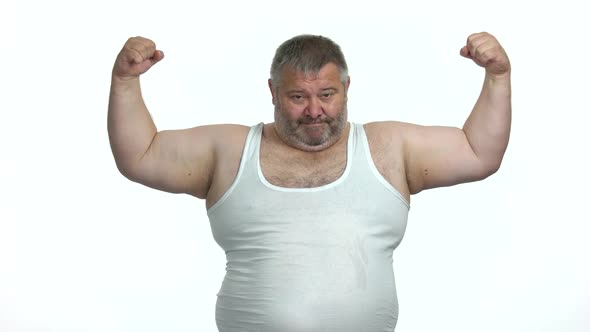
(444, 156)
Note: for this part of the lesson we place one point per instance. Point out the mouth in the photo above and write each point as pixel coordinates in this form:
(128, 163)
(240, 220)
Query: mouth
(310, 123)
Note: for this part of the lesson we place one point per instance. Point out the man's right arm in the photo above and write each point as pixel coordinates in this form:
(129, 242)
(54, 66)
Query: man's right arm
(177, 161)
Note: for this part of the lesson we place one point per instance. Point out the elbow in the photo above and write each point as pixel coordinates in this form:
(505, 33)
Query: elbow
(489, 168)
(127, 169)
(489, 161)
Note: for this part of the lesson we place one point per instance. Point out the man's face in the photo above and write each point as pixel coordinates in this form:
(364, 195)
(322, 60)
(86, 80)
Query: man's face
(310, 110)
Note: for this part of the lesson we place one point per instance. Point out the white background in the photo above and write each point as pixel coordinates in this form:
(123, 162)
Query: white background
(84, 249)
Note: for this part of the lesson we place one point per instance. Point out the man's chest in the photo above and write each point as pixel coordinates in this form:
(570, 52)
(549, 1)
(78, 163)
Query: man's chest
(290, 171)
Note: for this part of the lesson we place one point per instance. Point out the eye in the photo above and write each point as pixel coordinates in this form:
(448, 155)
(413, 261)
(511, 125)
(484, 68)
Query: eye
(297, 98)
(327, 95)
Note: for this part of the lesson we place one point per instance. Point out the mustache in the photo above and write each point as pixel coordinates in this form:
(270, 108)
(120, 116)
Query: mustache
(313, 121)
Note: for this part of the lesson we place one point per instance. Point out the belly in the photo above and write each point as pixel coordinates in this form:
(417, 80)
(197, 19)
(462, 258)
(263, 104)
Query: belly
(308, 292)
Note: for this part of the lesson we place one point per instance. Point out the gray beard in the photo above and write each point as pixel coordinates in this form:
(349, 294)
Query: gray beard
(293, 134)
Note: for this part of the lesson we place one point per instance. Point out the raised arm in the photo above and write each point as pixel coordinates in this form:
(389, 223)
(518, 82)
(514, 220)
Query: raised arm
(445, 156)
(177, 161)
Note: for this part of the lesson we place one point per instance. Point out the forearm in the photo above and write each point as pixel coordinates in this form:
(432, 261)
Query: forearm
(488, 126)
(130, 126)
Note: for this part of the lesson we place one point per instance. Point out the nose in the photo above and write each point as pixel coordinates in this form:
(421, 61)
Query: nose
(314, 108)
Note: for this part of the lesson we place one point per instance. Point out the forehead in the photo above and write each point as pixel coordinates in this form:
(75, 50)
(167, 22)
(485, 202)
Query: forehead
(329, 74)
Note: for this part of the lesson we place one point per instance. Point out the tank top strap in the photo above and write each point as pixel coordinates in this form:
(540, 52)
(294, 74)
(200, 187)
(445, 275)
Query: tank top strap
(252, 145)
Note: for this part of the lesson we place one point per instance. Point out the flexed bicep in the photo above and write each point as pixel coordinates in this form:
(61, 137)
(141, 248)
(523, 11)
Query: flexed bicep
(437, 156)
(184, 161)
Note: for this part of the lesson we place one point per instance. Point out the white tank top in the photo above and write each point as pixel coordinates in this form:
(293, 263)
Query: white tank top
(309, 259)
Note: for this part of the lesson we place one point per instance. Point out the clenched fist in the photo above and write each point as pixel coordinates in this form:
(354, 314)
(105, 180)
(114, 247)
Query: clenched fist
(137, 56)
(487, 52)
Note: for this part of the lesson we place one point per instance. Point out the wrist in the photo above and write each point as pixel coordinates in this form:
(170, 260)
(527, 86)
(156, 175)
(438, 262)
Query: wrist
(498, 76)
(498, 79)
(118, 79)
(124, 81)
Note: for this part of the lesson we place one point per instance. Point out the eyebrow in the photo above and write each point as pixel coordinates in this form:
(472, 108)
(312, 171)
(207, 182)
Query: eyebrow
(303, 91)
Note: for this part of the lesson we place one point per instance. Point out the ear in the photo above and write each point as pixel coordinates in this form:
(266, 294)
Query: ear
(272, 92)
(346, 88)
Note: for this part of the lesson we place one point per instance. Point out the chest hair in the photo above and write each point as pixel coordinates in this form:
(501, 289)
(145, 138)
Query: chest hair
(284, 168)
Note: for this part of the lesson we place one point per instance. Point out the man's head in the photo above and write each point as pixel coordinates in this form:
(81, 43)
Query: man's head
(307, 54)
(309, 83)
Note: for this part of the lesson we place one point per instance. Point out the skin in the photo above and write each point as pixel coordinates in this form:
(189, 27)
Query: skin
(310, 129)
(310, 110)
(309, 133)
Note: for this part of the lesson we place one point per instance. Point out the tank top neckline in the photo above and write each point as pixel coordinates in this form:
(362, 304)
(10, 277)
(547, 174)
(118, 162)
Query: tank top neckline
(338, 181)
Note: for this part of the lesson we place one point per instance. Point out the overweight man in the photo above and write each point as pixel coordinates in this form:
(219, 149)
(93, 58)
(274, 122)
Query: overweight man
(309, 208)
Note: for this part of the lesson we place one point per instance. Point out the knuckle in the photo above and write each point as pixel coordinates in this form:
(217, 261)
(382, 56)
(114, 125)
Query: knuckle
(486, 56)
(132, 40)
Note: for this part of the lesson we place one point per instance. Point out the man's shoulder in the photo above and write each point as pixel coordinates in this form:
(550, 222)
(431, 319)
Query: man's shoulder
(231, 134)
(227, 127)
(222, 131)
(386, 145)
(386, 130)
(387, 124)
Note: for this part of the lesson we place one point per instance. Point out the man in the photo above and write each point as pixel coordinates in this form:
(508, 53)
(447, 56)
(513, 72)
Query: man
(309, 208)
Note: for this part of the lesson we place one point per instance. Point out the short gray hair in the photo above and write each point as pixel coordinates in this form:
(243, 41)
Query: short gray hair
(307, 53)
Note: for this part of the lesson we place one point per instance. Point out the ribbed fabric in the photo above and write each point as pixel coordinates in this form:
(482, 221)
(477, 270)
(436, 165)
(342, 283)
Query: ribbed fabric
(309, 259)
